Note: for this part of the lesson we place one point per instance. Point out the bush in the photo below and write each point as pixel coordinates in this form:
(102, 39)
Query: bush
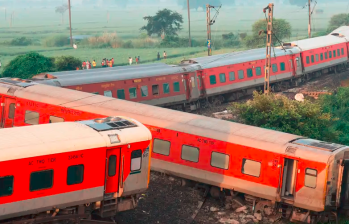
(21, 41)
(127, 44)
(67, 63)
(107, 40)
(56, 41)
(28, 65)
(230, 40)
(174, 41)
(337, 21)
(145, 43)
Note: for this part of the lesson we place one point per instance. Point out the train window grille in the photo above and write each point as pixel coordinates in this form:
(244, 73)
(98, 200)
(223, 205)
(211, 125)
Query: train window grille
(220, 160)
(316, 57)
(312, 59)
(136, 160)
(334, 53)
(308, 60)
(161, 147)
(310, 178)
(330, 54)
(120, 94)
(338, 52)
(322, 56)
(190, 153)
(108, 93)
(222, 78)
(241, 74)
(6, 186)
(258, 71)
(144, 91)
(251, 167)
(133, 93)
(213, 79)
(231, 76)
(176, 87)
(54, 119)
(41, 180)
(275, 68)
(112, 165)
(11, 111)
(282, 66)
(75, 174)
(166, 88)
(155, 90)
(342, 51)
(326, 57)
(249, 72)
(31, 117)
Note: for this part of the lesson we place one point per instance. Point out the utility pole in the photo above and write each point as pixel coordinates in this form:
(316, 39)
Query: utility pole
(71, 35)
(210, 22)
(189, 22)
(269, 32)
(309, 24)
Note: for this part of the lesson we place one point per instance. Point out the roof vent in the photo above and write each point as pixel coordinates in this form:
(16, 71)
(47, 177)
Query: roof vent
(318, 144)
(337, 34)
(109, 123)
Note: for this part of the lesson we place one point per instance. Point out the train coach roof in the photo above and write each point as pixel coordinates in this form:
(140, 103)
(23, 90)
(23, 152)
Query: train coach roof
(39, 140)
(343, 30)
(100, 75)
(318, 42)
(238, 57)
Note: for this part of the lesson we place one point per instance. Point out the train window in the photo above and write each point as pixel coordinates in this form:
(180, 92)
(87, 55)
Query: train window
(144, 91)
(155, 90)
(213, 79)
(342, 51)
(334, 53)
(112, 166)
(310, 178)
(249, 72)
(275, 68)
(136, 160)
(41, 180)
(166, 87)
(316, 57)
(308, 61)
(312, 59)
(258, 71)
(6, 186)
(326, 55)
(75, 174)
(161, 147)
(338, 52)
(222, 77)
(133, 93)
(330, 54)
(241, 74)
(54, 119)
(121, 94)
(282, 66)
(12, 109)
(176, 87)
(190, 153)
(322, 56)
(220, 160)
(231, 76)
(31, 117)
(250, 167)
(108, 93)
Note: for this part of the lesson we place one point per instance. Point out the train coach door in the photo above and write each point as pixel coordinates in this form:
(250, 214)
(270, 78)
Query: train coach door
(112, 170)
(7, 114)
(186, 83)
(289, 175)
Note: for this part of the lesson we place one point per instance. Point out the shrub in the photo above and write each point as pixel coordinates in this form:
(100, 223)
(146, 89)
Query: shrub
(107, 40)
(28, 65)
(127, 44)
(174, 41)
(56, 41)
(230, 40)
(338, 20)
(145, 43)
(66, 63)
(21, 41)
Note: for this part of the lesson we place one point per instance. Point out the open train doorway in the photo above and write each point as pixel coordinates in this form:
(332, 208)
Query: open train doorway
(344, 194)
(289, 179)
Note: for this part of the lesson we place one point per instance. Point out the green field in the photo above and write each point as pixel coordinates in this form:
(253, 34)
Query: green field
(40, 23)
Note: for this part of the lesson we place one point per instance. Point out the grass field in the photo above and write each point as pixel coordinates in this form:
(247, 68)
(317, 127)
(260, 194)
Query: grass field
(40, 23)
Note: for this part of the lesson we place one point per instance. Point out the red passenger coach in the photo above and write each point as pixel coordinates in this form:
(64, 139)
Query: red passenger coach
(69, 170)
(303, 177)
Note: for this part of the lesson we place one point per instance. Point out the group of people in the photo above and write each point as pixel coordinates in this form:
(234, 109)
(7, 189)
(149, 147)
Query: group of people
(164, 54)
(137, 60)
(88, 64)
(107, 63)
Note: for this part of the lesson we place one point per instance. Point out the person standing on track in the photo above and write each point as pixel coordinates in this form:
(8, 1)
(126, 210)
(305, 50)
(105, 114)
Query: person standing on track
(112, 61)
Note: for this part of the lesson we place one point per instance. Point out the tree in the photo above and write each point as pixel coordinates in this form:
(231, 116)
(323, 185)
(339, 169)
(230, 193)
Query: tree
(61, 10)
(67, 63)
(338, 20)
(165, 21)
(28, 65)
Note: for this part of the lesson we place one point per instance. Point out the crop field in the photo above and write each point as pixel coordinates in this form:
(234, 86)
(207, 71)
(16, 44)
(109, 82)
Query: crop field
(40, 23)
